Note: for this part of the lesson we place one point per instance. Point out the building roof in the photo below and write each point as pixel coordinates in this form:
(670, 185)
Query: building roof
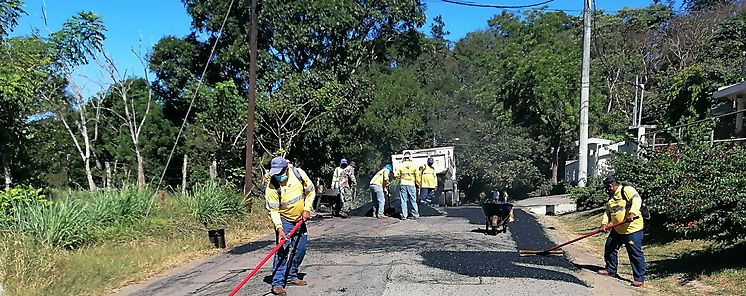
(730, 90)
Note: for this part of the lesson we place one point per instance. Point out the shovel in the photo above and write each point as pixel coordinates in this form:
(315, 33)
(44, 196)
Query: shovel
(555, 251)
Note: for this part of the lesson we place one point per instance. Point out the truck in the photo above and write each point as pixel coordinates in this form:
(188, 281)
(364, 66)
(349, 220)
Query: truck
(447, 193)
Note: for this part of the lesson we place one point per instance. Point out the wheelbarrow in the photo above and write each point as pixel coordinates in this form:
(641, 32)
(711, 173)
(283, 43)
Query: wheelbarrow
(496, 216)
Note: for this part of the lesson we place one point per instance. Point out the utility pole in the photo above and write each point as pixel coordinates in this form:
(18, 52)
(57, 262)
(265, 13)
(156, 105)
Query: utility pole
(584, 94)
(252, 105)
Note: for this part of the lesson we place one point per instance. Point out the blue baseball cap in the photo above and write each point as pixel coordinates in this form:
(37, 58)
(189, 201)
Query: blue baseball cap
(343, 161)
(278, 164)
(388, 167)
(430, 160)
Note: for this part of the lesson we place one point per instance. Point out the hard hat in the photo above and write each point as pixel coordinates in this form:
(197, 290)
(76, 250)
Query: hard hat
(388, 167)
(343, 161)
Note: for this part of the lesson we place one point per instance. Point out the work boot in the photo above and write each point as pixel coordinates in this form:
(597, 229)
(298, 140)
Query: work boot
(638, 284)
(279, 291)
(605, 272)
(297, 282)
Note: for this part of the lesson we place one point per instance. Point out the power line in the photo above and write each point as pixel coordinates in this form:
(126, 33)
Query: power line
(532, 7)
(196, 91)
(472, 4)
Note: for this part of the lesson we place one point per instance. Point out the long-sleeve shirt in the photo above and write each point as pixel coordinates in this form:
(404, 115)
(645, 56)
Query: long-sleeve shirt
(292, 200)
(617, 208)
(406, 173)
(347, 178)
(381, 178)
(427, 178)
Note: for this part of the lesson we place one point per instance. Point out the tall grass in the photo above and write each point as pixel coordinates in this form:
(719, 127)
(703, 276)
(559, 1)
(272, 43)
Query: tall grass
(124, 206)
(211, 204)
(72, 221)
(61, 224)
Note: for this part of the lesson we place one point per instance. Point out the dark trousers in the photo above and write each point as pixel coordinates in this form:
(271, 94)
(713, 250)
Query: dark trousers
(285, 268)
(633, 243)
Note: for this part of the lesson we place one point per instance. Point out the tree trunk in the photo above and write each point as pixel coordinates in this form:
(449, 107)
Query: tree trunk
(555, 162)
(107, 184)
(213, 169)
(6, 171)
(184, 175)
(89, 174)
(140, 170)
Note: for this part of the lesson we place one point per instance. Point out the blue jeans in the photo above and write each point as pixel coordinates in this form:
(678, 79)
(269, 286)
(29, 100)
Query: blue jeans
(427, 195)
(408, 193)
(633, 244)
(376, 192)
(280, 271)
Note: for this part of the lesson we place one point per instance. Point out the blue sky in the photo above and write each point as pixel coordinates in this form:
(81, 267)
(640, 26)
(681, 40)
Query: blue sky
(139, 24)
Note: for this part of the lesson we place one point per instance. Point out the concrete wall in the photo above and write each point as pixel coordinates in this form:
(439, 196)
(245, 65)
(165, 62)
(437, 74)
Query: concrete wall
(598, 160)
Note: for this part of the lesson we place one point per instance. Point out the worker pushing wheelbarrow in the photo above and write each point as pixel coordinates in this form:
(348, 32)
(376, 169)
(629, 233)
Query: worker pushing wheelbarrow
(498, 213)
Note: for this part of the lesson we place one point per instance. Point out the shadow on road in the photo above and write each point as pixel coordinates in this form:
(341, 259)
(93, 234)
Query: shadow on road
(251, 247)
(500, 264)
(473, 214)
(527, 233)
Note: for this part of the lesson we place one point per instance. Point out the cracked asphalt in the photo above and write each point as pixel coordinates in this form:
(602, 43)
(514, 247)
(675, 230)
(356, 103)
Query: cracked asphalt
(435, 255)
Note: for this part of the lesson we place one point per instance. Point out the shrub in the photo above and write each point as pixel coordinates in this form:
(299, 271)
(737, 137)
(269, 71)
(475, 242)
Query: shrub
(12, 198)
(589, 197)
(212, 204)
(696, 189)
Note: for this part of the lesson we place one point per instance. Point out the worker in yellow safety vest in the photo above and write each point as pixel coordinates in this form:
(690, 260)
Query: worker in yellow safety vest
(289, 198)
(625, 204)
(427, 181)
(379, 187)
(406, 173)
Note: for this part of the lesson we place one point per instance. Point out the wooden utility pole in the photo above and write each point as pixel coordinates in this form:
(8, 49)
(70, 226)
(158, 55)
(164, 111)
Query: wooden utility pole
(584, 94)
(252, 105)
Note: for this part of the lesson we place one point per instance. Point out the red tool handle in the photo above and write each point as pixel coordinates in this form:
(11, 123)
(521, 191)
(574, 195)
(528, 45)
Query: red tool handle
(592, 233)
(256, 269)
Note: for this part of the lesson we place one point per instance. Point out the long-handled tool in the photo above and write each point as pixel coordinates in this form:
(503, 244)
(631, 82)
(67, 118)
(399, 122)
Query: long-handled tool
(256, 269)
(555, 251)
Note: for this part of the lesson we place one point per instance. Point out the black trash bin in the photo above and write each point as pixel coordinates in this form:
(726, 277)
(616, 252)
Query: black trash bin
(221, 239)
(217, 237)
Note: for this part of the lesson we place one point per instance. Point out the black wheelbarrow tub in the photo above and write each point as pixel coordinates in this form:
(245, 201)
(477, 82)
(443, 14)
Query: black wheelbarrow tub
(501, 210)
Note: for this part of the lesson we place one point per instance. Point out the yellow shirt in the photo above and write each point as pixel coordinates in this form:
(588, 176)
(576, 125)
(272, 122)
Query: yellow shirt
(406, 173)
(427, 178)
(617, 209)
(381, 178)
(293, 201)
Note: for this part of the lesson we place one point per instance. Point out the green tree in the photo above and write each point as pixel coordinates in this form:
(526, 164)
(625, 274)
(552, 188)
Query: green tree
(80, 38)
(10, 12)
(311, 55)
(22, 65)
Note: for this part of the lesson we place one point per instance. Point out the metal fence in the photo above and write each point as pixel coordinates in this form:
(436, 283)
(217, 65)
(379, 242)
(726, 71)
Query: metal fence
(723, 129)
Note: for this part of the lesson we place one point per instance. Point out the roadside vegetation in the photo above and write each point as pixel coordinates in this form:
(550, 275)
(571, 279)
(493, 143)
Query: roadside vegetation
(82, 243)
(695, 194)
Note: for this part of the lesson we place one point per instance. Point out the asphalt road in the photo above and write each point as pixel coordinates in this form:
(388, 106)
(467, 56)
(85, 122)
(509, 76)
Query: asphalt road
(435, 255)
